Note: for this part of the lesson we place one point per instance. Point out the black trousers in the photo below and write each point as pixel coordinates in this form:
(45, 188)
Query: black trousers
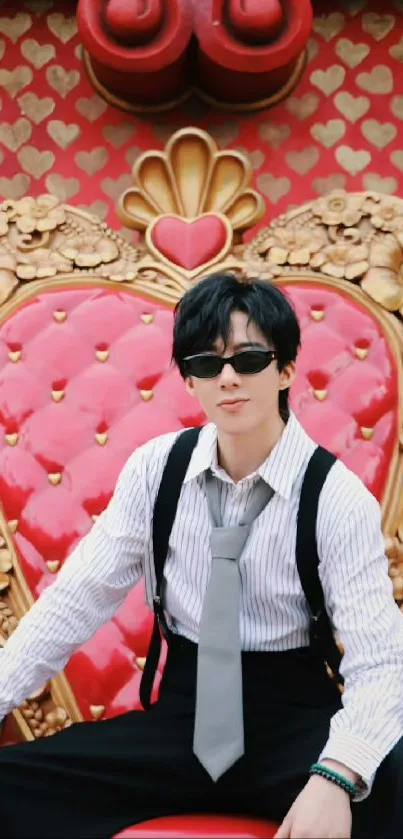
(94, 779)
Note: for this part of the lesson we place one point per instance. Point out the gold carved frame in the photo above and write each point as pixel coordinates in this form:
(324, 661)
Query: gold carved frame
(350, 242)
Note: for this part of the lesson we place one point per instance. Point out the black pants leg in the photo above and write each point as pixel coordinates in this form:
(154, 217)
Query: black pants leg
(97, 778)
(286, 730)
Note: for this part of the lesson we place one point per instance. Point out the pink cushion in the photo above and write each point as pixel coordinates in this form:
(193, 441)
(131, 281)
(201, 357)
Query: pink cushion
(201, 827)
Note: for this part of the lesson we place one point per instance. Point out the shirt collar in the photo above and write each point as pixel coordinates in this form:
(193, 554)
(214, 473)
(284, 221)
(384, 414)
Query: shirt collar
(280, 469)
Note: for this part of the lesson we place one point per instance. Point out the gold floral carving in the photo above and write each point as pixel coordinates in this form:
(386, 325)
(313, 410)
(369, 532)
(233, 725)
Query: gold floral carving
(352, 236)
(53, 707)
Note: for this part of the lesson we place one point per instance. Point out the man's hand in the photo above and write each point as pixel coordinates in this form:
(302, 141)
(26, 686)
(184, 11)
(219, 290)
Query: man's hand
(321, 811)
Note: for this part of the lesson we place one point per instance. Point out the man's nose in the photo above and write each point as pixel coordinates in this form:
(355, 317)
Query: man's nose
(228, 376)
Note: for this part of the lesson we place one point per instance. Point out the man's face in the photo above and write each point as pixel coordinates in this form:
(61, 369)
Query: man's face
(239, 403)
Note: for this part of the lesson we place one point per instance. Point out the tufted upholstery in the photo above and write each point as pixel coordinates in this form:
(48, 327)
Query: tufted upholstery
(85, 378)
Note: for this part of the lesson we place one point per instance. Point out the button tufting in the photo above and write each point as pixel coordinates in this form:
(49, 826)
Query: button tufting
(54, 478)
(102, 438)
(321, 395)
(11, 439)
(102, 355)
(317, 314)
(60, 316)
(146, 395)
(367, 433)
(147, 318)
(14, 355)
(58, 395)
(53, 565)
(97, 711)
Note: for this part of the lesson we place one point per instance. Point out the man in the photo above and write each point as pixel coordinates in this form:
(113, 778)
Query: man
(306, 756)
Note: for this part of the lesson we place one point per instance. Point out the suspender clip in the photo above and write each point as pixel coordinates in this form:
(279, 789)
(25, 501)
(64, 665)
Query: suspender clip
(160, 615)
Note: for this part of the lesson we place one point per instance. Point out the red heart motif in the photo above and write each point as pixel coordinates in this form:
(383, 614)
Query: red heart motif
(189, 244)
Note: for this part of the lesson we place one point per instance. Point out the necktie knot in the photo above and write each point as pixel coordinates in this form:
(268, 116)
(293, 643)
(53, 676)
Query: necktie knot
(228, 542)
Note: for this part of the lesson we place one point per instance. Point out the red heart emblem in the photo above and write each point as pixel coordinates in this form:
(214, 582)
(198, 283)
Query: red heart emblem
(190, 244)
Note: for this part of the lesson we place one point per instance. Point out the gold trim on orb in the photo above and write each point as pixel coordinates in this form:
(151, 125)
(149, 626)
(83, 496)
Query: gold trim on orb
(123, 104)
(193, 90)
(260, 104)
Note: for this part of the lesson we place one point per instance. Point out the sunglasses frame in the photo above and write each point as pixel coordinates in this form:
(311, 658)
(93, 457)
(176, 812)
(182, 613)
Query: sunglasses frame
(269, 355)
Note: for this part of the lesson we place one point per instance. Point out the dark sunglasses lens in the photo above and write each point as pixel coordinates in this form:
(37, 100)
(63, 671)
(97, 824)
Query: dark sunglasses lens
(251, 361)
(204, 366)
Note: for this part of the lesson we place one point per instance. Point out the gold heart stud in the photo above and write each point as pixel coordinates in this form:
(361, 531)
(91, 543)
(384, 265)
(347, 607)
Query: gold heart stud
(11, 439)
(58, 395)
(97, 711)
(146, 395)
(53, 565)
(60, 316)
(54, 478)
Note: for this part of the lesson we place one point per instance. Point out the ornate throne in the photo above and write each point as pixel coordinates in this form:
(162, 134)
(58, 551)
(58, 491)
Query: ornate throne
(85, 378)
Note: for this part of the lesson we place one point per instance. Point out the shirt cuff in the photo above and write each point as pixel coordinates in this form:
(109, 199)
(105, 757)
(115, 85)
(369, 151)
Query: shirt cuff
(357, 755)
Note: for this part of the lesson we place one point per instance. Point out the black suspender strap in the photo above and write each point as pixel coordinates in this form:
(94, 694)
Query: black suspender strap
(163, 519)
(307, 558)
(321, 633)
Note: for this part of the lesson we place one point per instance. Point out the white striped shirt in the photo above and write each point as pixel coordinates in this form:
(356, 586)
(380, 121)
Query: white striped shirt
(274, 614)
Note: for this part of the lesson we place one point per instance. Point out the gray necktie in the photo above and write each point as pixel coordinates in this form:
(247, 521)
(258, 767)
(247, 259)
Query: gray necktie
(218, 734)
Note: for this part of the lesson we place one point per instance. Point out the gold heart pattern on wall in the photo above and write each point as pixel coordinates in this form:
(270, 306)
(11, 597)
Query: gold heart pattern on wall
(341, 127)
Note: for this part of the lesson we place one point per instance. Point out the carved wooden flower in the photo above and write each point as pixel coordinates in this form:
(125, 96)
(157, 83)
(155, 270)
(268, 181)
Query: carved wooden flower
(41, 214)
(8, 279)
(41, 263)
(88, 250)
(394, 552)
(123, 270)
(339, 208)
(384, 279)
(342, 260)
(385, 215)
(3, 224)
(294, 247)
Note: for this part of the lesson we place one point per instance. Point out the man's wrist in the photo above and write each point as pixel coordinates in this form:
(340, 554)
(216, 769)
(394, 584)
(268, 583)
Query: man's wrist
(342, 770)
(320, 782)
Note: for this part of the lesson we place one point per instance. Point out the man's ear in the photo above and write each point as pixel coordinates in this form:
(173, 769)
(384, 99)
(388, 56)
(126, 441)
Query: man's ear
(189, 386)
(287, 375)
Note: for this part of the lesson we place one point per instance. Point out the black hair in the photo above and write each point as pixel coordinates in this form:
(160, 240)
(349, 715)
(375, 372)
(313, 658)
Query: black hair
(203, 315)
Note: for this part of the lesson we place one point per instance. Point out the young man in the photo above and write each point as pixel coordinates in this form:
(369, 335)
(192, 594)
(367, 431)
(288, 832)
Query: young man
(236, 346)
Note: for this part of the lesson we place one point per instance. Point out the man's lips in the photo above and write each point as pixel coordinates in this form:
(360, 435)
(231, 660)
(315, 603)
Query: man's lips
(232, 404)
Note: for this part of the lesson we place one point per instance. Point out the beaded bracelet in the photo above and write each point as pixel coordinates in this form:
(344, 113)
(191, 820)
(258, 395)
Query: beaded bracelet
(335, 778)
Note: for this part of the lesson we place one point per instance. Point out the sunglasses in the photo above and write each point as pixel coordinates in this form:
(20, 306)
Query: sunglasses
(247, 362)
